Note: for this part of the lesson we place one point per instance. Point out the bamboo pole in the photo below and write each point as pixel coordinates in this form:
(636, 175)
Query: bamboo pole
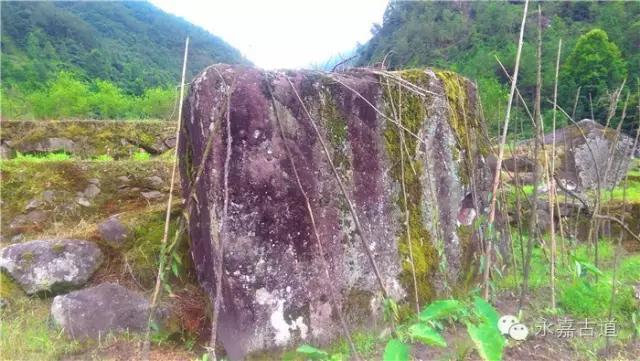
(156, 290)
(552, 188)
(503, 140)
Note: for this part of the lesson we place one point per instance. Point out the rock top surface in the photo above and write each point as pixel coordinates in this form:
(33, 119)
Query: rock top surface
(51, 266)
(94, 312)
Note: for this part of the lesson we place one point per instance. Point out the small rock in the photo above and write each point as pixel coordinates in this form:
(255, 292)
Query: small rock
(123, 179)
(113, 231)
(17, 238)
(3, 303)
(91, 191)
(83, 202)
(155, 182)
(170, 142)
(95, 181)
(48, 196)
(152, 195)
(51, 265)
(60, 144)
(33, 218)
(6, 152)
(33, 204)
(94, 312)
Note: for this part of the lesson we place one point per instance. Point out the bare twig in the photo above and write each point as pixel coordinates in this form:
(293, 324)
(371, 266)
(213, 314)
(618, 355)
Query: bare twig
(219, 250)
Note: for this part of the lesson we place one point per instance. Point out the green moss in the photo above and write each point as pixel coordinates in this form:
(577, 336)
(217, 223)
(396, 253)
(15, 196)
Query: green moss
(356, 304)
(92, 138)
(458, 119)
(26, 258)
(143, 250)
(336, 127)
(58, 248)
(413, 113)
(23, 182)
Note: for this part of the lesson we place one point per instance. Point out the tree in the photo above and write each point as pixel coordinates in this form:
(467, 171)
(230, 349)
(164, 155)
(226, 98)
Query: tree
(597, 67)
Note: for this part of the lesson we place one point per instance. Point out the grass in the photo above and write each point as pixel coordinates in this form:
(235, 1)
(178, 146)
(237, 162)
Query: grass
(141, 155)
(144, 249)
(582, 296)
(61, 156)
(27, 331)
(44, 157)
(103, 158)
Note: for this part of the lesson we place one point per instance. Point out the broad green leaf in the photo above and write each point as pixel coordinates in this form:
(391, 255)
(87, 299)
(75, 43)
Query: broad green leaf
(441, 309)
(485, 310)
(312, 352)
(396, 350)
(426, 335)
(587, 266)
(488, 340)
(591, 268)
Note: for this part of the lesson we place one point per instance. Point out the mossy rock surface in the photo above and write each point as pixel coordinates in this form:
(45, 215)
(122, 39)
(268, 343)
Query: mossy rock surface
(63, 197)
(417, 131)
(88, 139)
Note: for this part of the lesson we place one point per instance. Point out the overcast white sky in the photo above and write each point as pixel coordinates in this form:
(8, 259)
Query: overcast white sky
(283, 33)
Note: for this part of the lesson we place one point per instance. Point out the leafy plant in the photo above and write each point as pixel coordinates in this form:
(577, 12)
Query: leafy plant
(313, 353)
(441, 309)
(480, 319)
(426, 335)
(396, 350)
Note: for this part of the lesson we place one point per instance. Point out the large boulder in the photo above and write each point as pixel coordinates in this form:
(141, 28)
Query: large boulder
(97, 311)
(51, 266)
(583, 151)
(275, 292)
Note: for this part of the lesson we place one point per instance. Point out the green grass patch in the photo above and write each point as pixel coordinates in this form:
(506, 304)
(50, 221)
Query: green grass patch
(43, 157)
(141, 155)
(590, 299)
(27, 331)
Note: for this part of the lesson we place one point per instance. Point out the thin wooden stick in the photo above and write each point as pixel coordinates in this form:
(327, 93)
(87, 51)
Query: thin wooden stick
(503, 140)
(552, 188)
(219, 250)
(156, 290)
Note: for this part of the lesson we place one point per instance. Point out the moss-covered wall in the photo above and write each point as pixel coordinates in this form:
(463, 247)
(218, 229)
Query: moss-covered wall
(410, 111)
(56, 186)
(88, 138)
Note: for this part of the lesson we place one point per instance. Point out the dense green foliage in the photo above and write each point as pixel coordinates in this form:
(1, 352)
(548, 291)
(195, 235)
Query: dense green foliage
(468, 37)
(595, 65)
(80, 59)
(67, 96)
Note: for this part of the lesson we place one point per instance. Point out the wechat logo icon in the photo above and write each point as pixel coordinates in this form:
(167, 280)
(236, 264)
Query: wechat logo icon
(509, 325)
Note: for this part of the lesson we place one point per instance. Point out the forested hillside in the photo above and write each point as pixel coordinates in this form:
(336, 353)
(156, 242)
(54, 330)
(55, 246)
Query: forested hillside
(120, 49)
(468, 36)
